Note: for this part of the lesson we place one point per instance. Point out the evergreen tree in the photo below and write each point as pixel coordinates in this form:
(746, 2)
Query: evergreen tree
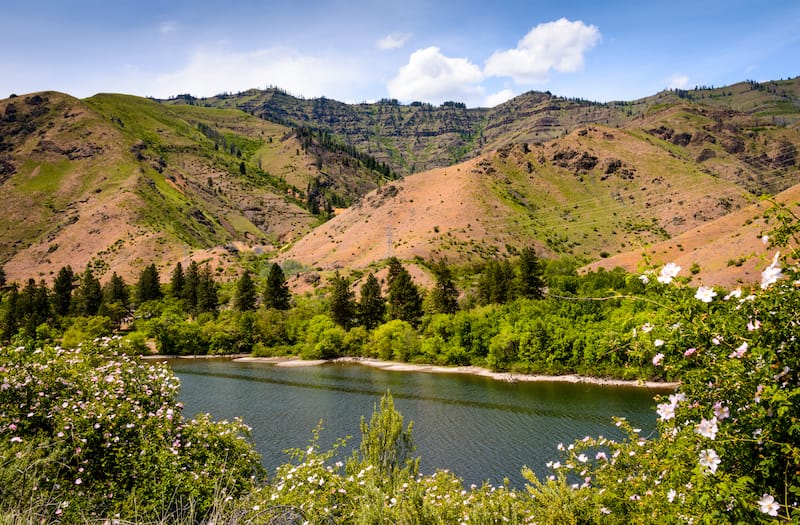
(149, 286)
(33, 306)
(115, 300)
(2, 277)
(371, 305)
(444, 297)
(496, 285)
(115, 290)
(395, 268)
(190, 286)
(62, 291)
(177, 281)
(342, 301)
(276, 292)
(207, 294)
(405, 302)
(531, 282)
(89, 295)
(245, 298)
(11, 313)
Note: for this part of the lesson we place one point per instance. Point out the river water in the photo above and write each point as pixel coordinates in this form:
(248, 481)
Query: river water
(479, 428)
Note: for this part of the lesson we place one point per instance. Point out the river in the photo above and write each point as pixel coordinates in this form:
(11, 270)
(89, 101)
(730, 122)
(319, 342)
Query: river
(479, 428)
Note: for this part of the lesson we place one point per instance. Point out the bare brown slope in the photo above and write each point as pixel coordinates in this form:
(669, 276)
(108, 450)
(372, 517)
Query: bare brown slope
(431, 213)
(729, 251)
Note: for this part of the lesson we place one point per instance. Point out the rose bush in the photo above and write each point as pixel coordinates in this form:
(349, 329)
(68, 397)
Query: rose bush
(92, 432)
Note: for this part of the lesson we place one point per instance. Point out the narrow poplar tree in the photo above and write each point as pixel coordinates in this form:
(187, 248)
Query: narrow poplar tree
(207, 292)
(531, 282)
(10, 321)
(405, 302)
(191, 282)
(115, 300)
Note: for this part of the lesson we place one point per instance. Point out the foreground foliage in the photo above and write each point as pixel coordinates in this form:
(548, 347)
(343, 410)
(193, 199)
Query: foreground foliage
(90, 432)
(73, 423)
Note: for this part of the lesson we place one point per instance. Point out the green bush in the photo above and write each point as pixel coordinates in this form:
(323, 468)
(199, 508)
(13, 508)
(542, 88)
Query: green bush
(396, 340)
(728, 449)
(98, 434)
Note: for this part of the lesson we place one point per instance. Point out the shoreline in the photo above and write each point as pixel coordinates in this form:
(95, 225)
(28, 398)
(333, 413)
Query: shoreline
(395, 366)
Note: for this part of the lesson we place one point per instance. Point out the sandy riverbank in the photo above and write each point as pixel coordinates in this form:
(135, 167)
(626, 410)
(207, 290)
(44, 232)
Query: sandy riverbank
(394, 366)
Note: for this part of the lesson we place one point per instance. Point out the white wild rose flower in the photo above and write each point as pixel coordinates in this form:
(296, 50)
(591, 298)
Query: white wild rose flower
(668, 273)
(705, 294)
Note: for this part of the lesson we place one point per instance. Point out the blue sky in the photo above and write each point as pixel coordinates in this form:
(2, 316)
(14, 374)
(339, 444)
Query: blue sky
(477, 52)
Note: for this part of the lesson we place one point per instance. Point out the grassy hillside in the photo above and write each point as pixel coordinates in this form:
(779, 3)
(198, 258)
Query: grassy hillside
(593, 193)
(117, 181)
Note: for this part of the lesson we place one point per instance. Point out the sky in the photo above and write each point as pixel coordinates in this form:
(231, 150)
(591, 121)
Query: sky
(477, 52)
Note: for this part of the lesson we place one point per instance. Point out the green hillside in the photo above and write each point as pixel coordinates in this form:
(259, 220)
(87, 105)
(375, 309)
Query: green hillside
(117, 181)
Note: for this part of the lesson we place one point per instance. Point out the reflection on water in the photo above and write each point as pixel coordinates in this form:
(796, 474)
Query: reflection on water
(479, 428)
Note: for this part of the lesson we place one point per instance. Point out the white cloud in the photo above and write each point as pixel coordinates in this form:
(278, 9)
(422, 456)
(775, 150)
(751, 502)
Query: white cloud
(393, 41)
(430, 76)
(558, 46)
(498, 98)
(209, 73)
(166, 28)
(678, 81)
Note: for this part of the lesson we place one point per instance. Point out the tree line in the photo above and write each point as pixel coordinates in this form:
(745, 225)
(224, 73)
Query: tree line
(521, 314)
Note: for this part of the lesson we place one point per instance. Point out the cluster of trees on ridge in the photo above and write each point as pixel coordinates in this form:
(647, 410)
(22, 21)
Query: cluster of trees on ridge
(521, 315)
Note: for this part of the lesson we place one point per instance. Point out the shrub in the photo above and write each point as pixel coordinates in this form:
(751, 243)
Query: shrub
(98, 434)
(728, 449)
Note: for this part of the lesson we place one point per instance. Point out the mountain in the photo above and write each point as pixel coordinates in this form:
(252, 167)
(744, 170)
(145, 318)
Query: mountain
(118, 181)
(419, 136)
(689, 159)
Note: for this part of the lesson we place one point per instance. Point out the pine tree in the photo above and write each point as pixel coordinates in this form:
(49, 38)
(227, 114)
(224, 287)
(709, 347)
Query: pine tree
(496, 285)
(177, 281)
(342, 301)
(2, 277)
(245, 299)
(444, 297)
(190, 286)
(207, 294)
(371, 305)
(405, 302)
(149, 286)
(115, 300)
(276, 291)
(89, 295)
(33, 306)
(395, 268)
(531, 282)
(62, 291)
(115, 290)
(11, 314)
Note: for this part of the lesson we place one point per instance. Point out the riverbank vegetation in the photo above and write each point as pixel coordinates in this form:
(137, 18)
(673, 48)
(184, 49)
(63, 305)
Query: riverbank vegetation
(523, 315)
(91, 434)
